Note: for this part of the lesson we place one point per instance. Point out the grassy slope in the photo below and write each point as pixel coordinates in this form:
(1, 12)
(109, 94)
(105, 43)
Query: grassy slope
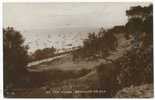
(83, 83)
(66, 63)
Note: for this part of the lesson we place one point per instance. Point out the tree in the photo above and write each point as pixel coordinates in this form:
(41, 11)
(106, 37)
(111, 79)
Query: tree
(141, 12)
(148, 28)
(136, 66)
(135, 25)
(141, 21)
(43, 53)
(95, 46)
(15, 56)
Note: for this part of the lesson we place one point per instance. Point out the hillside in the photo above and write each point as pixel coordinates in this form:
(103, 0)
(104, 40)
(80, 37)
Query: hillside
(66, 63)
(77, 85)
(85, 83)
(74, 59)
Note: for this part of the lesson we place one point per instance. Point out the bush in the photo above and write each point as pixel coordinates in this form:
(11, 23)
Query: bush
(43, 53)
(15, 57)
(107, 74)
(96, 45)
(136, 67)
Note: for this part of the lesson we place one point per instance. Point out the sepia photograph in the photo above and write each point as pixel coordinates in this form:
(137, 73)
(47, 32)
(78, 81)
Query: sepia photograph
(78, 50)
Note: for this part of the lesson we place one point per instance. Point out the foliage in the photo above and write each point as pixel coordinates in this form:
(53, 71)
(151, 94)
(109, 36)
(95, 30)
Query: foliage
(141, 21)
(117, 29)
(133, 68)
(43, 53)
(138, 11)
(107, 74)
(136, 66)
(96, 45)
(15, 56)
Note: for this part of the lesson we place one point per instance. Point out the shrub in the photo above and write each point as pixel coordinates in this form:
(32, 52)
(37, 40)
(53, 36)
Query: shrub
(96, 44)
(15, 57)
(107, 74)
(136, 67)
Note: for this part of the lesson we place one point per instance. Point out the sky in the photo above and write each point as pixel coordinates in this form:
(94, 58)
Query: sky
(62, 25)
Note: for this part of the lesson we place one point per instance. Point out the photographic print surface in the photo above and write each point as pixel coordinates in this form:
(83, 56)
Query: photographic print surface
(78, 50)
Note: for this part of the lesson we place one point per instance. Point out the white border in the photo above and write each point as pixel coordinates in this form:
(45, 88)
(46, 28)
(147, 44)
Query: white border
(1, 53)
(1, 36)
(77, 0)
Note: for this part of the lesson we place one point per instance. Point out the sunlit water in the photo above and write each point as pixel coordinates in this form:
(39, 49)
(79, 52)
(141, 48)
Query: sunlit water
(59, 38)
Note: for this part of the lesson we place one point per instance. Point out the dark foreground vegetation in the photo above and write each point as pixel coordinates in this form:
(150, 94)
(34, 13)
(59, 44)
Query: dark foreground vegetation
(96, 45)
(40, 54)
(135, 67)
